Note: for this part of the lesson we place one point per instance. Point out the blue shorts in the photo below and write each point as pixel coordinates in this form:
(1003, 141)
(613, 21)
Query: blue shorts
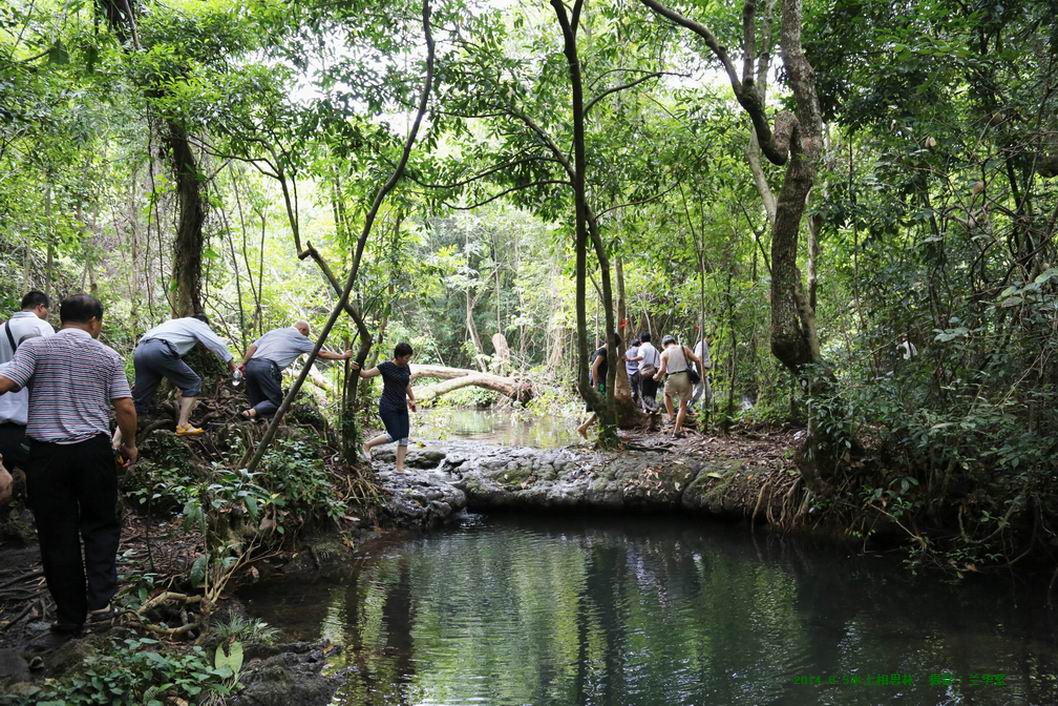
(397, 424)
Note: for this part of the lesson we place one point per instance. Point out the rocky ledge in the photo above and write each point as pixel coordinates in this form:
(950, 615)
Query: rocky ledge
(444, 478)
(422, 498)
(289, 674)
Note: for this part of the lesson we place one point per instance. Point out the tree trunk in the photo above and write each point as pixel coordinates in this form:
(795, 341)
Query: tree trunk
(472, 331)
(587, 227)
(628, 412)
(795, 141)
(189, 242)
(518, 389)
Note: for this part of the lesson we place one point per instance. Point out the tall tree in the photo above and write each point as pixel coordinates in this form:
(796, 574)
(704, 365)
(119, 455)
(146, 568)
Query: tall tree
(793, 140)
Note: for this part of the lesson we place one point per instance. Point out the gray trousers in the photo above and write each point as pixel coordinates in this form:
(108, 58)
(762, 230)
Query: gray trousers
(703, 388)
(264, 386)
(156, 359)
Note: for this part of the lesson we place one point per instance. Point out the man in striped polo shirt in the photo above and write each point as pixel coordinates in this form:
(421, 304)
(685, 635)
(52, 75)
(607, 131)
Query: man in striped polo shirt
(73, 381)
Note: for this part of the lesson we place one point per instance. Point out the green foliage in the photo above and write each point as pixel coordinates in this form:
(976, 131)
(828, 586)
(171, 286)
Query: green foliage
(933, 207)
(294, 471)
(240, 629)
(167, 476)
(137, 671)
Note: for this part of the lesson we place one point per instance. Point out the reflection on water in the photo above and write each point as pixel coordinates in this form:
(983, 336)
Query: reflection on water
(506, 427)
(552, 611)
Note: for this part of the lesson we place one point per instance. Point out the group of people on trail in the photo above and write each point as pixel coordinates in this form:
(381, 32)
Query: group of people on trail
(57, 392)
(160, 354)
(682, 371)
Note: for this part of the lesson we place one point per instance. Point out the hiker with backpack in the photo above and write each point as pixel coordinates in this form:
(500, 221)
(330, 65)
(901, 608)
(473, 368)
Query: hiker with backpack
(680, 378)
(29, 322)
(597, 377)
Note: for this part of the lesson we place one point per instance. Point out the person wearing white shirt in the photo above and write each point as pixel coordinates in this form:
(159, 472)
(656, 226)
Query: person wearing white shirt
(906, 348)
(160, 354)
(268, 357)
(701, 349)
(649, 361)
(675, 369)
(23, 325)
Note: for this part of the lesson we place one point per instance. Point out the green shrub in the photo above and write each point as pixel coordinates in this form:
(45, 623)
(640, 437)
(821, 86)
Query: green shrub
(294, 469)
(137, 672)
(166, 475)
(245, 630)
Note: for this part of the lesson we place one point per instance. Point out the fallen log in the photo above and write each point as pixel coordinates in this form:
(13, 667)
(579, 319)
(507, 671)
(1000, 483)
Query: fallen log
(518, 389)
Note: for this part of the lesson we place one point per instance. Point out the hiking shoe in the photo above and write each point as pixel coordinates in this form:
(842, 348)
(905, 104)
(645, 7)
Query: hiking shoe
(58, 634)
(100, 620)
(189, 430)
(65, 629)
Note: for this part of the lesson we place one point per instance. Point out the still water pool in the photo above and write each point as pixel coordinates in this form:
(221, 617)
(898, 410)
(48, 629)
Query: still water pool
(504, 427)
(511, 610)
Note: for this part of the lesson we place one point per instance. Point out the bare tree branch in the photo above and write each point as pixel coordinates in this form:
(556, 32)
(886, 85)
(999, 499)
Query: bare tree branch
(776, 146)
(369, 221)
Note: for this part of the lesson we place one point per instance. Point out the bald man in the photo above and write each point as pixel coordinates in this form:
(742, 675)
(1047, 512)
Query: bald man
(268, 357)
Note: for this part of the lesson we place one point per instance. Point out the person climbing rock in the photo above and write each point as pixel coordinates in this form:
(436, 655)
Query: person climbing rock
(676, 369)
(268, 357)
(393, 405)
(160, 354)
(73, 381)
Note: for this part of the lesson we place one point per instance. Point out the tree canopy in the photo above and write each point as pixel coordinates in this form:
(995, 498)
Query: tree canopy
(808, 182)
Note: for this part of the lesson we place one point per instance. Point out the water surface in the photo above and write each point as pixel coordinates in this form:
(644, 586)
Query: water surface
(647, 611)
(505, 427)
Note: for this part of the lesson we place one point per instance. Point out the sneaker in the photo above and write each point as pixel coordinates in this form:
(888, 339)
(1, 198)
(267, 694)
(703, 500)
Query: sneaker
(100, 619)
(65, 629)
(189, 430)
(56, 636)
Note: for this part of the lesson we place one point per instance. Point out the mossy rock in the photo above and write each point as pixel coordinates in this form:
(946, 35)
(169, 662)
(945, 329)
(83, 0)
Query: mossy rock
(515, 478)
(712, 489)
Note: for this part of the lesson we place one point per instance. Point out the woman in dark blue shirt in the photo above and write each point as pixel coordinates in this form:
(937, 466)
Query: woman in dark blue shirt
(397, 398)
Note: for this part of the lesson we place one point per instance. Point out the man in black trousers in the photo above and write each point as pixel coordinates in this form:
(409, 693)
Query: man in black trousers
(73, 381)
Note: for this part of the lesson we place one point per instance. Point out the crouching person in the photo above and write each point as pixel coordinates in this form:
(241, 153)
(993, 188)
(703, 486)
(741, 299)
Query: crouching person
(160, 354)
(268, 357)
(73, 381)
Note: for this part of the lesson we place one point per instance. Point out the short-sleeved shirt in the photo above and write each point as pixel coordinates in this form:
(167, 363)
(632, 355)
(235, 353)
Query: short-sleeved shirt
(702, 351)
(23, 325)
(184, 333)
(395, 381)
(631, 365)
(603, 367)
(282, 346)
(650, 355)
(72, 379)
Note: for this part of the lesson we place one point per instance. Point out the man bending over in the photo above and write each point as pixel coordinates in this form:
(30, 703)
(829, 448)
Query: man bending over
(268, 357)
(160, 354)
